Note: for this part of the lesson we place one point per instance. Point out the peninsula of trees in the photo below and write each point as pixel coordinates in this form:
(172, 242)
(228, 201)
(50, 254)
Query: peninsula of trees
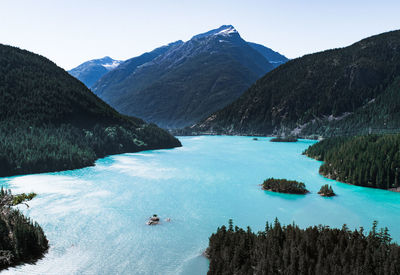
(370, 160)
(284, 186)
(49, 121)
(21, 240)
(292, 250)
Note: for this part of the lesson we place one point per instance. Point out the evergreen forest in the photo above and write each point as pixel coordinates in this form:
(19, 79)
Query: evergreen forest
(369, 160)
(284, 186)
(346, 91)
(49, 121)
(315, 250)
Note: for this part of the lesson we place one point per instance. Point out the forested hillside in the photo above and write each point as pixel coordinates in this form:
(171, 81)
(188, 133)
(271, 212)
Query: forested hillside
(290, 250)
(380, 115)
(333, 92)
(50, 121)
(370, 160)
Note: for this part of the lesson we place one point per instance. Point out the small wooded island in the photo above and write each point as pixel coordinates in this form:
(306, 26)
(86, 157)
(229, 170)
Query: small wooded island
(284, 139)
(326, 191)
(21, 240)
(289, 249)
(284, 186)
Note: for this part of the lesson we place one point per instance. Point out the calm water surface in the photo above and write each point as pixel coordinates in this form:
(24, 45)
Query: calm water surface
(95, 217)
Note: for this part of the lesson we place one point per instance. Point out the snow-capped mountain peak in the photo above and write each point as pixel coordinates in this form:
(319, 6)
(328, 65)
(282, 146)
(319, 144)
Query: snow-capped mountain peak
(92, 70)
(227, 31)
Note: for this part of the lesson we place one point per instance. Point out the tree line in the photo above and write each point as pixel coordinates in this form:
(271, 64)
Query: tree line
(369, 160)
(49, 121)
(316, 250)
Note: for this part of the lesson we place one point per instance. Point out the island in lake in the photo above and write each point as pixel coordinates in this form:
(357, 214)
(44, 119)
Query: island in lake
(284, 186)
(284, 139)
(326, 191)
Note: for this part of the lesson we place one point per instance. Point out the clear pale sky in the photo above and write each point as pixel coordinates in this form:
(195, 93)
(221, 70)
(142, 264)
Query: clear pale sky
(73, 31)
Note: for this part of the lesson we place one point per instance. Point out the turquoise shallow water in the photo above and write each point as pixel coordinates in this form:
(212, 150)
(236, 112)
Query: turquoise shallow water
(95, 217)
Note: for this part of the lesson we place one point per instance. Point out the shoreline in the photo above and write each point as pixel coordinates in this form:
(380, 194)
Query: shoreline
(86, 166)
(396, 189)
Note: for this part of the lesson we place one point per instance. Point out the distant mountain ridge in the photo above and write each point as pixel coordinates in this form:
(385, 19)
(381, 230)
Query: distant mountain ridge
(344, 91)
(116, 78)
(178, 84)
(91, 71)
(275, 58)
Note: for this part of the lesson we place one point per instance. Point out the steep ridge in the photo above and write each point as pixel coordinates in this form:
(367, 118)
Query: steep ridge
(188, 81)
(275, 58)
(115, 80)
(91, 71)
(50, 121)
(315, 93)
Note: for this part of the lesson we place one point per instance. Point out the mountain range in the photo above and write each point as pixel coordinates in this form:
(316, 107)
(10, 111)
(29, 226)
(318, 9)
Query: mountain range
(92, 70)
(183, 82)
(346, 91)
(50, 121)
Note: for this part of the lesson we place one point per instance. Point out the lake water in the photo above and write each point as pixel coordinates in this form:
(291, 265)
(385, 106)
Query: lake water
(95, 217)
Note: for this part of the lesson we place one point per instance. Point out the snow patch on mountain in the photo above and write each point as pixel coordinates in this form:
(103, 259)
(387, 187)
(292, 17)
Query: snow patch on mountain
(229, 30)
(112, 65)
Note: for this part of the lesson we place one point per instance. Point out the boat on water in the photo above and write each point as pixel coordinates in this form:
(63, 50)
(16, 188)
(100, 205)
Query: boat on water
(153, 220)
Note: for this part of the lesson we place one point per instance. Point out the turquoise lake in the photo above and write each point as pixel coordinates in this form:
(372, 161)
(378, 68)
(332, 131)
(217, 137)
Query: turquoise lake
(95, 217)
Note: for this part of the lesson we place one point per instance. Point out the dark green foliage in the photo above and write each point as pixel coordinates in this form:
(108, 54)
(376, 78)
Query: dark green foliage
(319, 150)
(20, 198)
(370, 160)
(315, 92)
(284, 186)
(380, 116)
(50, 121)
(326, 191)
(21, 240)
(284, 139)
(290, 250)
